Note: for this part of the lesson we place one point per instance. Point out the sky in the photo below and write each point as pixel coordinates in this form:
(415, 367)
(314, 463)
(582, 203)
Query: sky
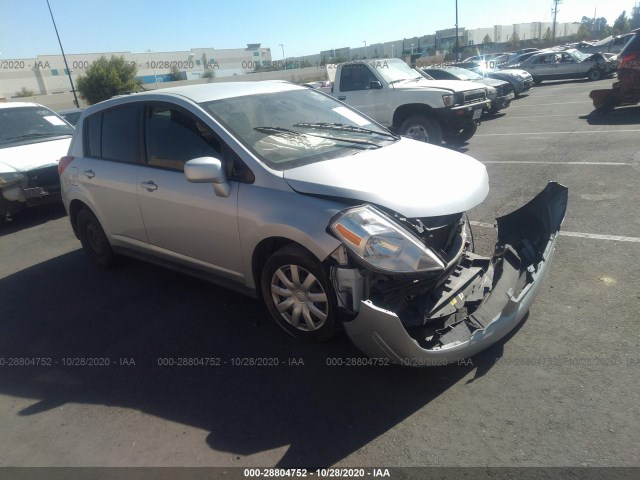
(302, 27)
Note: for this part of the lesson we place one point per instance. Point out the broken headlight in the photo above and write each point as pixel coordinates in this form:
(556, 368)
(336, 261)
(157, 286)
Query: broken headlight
(381, 243)
(9, 178)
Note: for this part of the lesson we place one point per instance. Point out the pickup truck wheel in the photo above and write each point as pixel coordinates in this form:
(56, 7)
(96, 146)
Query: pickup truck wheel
(537, 80)
(422, 128)
(463, 134)
(94, 241)
(298, 295)
(594, 74)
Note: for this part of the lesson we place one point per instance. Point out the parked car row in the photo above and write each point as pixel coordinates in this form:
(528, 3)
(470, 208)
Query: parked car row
(500, 94)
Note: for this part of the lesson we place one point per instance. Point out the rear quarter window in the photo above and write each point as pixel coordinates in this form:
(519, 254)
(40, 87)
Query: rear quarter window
(119, 134)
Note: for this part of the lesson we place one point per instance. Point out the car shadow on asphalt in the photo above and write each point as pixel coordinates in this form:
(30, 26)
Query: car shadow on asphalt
(551, 83)
(618, 116)
(32, 217)
(136, 320)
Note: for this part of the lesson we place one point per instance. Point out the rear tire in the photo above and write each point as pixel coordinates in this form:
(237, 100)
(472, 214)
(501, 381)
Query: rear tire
(422, 128)
(298, 295)
(94, 241)
(537, 80)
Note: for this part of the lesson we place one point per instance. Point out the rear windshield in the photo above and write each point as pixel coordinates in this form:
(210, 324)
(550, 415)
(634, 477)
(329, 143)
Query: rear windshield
(632, 46)
(22, 125)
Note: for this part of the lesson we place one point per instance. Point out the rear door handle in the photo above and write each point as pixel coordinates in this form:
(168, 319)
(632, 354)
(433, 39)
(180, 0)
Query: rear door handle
(89, 173)
(342, 97)
(150, 186)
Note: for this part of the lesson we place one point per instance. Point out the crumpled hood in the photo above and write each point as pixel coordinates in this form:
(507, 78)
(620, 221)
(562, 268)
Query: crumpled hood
(33, 155)
(412, 178)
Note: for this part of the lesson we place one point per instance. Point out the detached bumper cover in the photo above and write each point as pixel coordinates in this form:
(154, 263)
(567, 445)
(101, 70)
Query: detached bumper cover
(525, 247)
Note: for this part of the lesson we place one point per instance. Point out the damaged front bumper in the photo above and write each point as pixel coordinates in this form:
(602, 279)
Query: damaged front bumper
(481, 301)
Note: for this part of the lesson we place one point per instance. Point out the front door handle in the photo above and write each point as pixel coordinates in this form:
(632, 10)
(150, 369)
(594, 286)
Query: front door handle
(342, 97)
(150, 186)
(89, 173)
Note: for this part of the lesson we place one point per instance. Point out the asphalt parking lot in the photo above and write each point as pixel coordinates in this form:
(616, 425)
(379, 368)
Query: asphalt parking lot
(561, 391)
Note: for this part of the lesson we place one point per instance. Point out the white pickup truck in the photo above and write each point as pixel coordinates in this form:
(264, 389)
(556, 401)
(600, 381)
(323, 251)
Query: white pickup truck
(395, 95)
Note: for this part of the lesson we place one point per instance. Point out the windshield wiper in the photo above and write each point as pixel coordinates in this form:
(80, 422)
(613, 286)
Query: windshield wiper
(344, 127)
(37, 135)
(295, 134)
(396, 81)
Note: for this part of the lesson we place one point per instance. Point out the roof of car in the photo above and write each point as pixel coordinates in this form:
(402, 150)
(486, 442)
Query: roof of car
(19, 104)
(206, 92)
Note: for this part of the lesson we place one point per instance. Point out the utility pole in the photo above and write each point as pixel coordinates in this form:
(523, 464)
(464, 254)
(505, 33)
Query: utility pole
(555, 13)
(64, 57)
(457, 53)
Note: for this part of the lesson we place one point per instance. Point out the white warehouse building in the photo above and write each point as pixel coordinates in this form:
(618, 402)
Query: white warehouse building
(47, 74)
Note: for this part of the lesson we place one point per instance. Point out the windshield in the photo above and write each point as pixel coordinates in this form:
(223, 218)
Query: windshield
(395, 70)
(30, 125)
(464, 74)
(298, 127)
(579, 55)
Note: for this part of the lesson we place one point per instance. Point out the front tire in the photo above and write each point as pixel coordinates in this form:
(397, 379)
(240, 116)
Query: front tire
(422, 128)
(464, 134)
(594, 74)
(298, 295)
(94, 241)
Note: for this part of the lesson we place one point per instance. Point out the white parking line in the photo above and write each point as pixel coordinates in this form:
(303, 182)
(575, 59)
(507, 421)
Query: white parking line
(574, 115)
(553, 133)
(546, 104)
(558, 163)
(592, 236)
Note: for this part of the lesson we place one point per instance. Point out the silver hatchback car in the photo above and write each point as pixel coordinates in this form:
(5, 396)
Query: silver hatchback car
(290, 196)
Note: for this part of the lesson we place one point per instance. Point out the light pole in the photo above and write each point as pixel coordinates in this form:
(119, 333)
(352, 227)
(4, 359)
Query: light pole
(152, 66)
(412, 48)
(392, 51)
(457, 52)
(366, 55)
(64, 57)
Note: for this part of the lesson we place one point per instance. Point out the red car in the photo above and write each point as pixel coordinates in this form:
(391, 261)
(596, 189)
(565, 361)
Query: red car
(626, 91)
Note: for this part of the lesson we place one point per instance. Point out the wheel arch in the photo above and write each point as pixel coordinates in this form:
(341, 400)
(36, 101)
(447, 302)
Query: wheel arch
(74, 208)
(405, 111)
(267, 247)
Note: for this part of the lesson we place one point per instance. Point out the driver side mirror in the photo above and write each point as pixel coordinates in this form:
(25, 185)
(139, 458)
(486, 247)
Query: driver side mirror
(208, 170)
(375, 85)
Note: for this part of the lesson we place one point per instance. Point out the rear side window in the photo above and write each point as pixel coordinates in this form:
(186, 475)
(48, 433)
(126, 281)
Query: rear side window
(119, 134)
(93, 133)
(113, 134)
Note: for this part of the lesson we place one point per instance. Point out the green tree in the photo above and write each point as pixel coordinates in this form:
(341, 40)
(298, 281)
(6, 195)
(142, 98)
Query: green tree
(106, 78)
(209, 74)
(175, 73)
(635, 18)
(515, 39)
(486, 40)
(622, 24)
(547, 35)
(24, 92)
